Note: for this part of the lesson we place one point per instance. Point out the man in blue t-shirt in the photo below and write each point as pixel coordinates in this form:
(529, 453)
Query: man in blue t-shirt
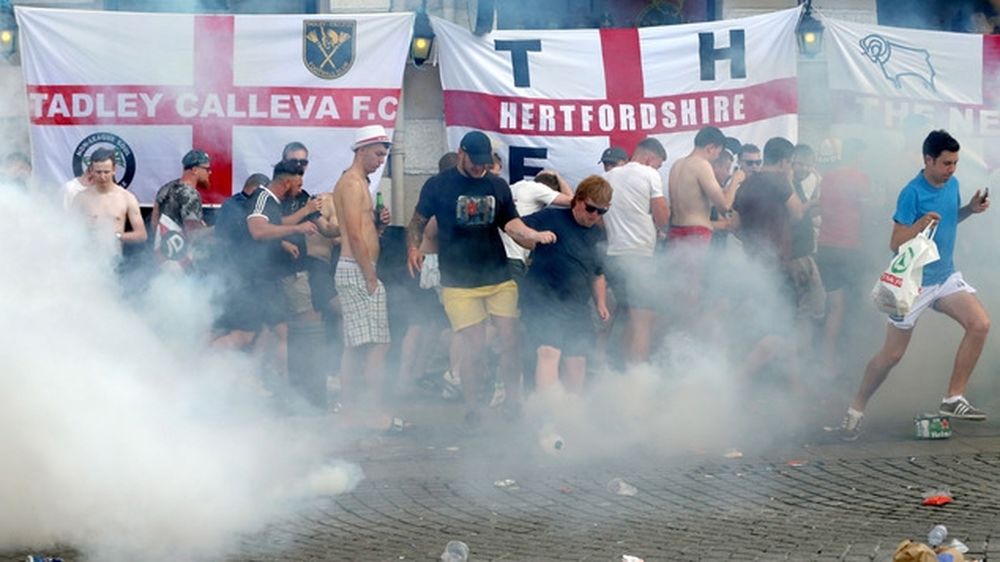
(470, 205)
(932, 196)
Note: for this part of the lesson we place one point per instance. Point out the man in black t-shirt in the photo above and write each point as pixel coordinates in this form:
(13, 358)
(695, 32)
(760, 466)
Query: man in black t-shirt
(556, 293)
(470, 205)
(268, 263)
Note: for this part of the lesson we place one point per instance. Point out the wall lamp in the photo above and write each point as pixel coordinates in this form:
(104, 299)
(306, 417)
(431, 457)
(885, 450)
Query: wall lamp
(809, 32)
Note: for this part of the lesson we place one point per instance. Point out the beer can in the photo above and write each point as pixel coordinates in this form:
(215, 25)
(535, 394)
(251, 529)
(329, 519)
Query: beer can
(932, 426)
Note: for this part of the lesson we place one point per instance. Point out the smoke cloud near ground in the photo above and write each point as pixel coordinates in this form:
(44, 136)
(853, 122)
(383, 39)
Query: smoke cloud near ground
(125, 436)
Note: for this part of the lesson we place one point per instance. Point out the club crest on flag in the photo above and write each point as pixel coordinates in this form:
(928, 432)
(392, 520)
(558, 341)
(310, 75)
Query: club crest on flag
(897, 60)
(124, 156)
(328, 47)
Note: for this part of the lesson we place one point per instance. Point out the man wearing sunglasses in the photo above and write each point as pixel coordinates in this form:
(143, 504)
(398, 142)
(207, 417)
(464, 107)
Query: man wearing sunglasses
(750, 159)
(557, 290)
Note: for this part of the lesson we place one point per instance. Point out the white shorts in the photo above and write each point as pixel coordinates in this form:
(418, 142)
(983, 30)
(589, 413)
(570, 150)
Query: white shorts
(928, 297)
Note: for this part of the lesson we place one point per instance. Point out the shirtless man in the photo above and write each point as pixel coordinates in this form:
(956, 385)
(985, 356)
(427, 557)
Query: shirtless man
(107, 204)
(362, 295)
(694, 190)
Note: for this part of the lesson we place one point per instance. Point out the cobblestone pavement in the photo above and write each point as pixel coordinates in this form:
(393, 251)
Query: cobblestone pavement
(811, 498)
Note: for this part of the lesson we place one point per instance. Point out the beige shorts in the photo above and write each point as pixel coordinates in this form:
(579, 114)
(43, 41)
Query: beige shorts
(297, 292)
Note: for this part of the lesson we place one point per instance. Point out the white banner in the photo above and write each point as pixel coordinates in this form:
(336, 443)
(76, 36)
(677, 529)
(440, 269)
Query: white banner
(558, 98)
(890, 86)
(239, 87)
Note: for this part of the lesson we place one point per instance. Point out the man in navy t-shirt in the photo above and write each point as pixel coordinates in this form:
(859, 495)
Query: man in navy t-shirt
(932, 196)
(556, 292)
(470, 204)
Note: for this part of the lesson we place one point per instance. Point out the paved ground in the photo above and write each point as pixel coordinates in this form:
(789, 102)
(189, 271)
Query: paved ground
(808, 497)
(820, 502)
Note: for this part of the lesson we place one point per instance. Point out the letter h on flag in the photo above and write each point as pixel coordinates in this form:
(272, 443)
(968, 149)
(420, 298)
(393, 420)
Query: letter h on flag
(558, 98)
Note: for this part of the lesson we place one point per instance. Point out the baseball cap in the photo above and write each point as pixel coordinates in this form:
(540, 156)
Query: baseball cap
(370, 134)
(613, 154)
(195, 158)
(478, 146)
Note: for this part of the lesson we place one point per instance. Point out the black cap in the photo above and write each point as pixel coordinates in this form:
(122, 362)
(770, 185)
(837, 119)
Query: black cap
(613, 154)
(478, 146)
(195, 158)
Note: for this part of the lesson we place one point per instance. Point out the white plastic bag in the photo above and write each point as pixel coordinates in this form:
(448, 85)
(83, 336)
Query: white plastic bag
(899, 284)
(430, 273)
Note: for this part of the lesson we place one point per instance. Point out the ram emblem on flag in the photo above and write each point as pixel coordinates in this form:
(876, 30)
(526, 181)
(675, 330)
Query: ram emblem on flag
(557, 98)
(239, 87)
(890, 86)
(328, 47)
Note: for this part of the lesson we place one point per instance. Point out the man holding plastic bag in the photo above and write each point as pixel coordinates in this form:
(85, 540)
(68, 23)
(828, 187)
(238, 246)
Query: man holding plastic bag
(931, 197)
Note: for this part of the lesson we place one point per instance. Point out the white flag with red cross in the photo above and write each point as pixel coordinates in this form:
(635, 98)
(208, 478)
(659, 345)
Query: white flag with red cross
(890, 86)
(154, 86)
(558, 98)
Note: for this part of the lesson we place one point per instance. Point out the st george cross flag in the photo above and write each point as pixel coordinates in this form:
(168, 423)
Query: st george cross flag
(153, 86)
(558, 98)
(890, 86)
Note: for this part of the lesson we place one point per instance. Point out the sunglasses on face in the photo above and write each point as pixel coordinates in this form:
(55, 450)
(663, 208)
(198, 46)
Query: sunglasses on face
(206, 168)
(593, 209)
(299, 161)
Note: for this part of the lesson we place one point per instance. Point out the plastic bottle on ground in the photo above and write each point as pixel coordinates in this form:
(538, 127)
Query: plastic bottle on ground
(455, 551)
(937, 535)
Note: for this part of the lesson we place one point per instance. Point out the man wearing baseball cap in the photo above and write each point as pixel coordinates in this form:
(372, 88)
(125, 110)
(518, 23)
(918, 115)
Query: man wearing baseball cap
(470, 206)
(177, 209)
(613, 157)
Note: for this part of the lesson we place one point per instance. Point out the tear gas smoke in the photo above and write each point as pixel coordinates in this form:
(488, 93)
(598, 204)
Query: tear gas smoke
(126, 437)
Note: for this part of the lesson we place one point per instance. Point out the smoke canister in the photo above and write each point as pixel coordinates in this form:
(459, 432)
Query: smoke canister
(932, 426)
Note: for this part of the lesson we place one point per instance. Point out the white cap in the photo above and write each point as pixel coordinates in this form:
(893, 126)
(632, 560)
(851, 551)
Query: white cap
(370, 134)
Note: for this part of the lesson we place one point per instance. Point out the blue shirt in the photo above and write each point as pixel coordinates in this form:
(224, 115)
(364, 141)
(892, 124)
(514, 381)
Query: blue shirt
(917, 199)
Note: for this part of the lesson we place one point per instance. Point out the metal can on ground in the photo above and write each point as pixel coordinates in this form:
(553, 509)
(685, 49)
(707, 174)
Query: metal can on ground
(932, 426)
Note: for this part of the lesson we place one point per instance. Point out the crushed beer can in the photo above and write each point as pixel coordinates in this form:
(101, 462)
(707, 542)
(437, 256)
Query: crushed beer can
(932, 426)
(40, 558)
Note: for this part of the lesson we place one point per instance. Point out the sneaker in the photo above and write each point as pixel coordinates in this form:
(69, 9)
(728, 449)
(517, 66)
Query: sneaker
(850, 428)
(961, 410)
(451, 386)
(499, 393)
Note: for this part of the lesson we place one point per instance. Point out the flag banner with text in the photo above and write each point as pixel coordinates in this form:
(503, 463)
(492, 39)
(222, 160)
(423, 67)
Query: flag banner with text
(558, 98)
(154, 86)
(890, 86)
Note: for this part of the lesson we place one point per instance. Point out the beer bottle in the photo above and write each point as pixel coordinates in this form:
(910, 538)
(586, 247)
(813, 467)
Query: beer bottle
(379, 205)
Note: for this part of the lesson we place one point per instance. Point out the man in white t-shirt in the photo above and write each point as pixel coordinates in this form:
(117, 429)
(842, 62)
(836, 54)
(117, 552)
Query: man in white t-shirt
(632, 223)
(531, 196)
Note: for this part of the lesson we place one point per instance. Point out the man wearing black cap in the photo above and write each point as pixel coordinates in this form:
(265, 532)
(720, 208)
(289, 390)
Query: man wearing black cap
(177, 209)
(613, 157)
(470, 205)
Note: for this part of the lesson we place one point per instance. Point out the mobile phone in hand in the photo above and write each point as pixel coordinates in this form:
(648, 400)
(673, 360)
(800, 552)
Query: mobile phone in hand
(985, 197)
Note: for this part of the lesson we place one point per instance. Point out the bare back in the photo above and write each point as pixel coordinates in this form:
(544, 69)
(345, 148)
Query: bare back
(355, 213)
(691, 181)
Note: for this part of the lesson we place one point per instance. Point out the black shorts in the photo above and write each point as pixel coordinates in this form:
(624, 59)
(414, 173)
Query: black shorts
(321, 288)
(567, 328)
(839, 267)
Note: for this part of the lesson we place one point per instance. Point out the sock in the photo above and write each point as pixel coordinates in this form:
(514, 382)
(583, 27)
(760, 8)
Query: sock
(854, 413)
(953, 399)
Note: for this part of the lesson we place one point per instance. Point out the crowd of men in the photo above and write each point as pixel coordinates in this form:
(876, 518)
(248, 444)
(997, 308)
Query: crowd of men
(532, 276)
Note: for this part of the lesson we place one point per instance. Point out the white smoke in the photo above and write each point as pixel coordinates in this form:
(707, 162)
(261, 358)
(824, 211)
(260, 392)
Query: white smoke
(125, 435)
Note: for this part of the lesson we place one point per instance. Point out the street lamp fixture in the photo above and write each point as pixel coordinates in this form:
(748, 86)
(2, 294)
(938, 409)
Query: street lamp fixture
(809, 33)
(423, 38)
